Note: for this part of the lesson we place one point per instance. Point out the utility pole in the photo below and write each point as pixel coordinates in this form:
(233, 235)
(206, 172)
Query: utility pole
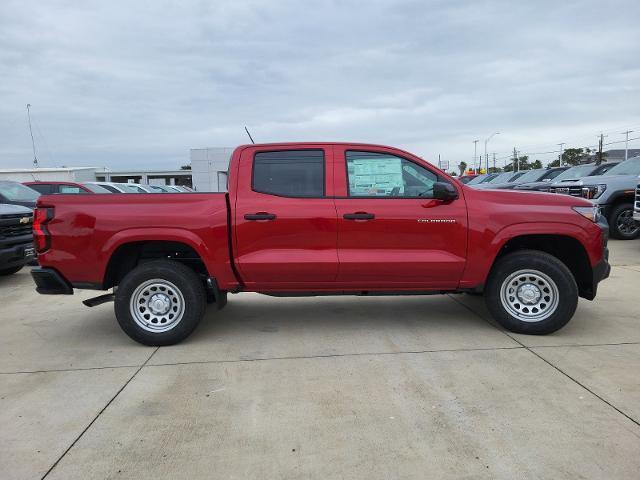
(601, 141)
(494, 162)
(475, 155)
(515, 160)
(561, 152)
(626, 144)
(33, 143)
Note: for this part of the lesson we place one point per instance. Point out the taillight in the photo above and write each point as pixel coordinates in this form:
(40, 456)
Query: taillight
(41, 236)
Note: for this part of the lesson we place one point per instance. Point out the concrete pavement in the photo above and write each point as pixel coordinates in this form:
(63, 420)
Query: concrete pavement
(406, 387)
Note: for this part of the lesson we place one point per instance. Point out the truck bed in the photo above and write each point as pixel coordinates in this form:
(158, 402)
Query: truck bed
(87, 229)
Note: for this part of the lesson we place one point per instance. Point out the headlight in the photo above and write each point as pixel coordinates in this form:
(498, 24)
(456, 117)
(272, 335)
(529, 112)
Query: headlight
(593, 191)
(592, 213)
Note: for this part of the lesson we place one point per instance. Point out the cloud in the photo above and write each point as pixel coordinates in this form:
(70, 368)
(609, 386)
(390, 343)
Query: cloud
(139, 83)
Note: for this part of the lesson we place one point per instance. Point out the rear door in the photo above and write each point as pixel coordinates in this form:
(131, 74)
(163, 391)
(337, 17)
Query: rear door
(391, 232)
(285, 218)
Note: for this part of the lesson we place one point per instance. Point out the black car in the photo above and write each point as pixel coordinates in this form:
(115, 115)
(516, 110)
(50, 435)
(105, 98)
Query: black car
(16, 238)
(15, 193)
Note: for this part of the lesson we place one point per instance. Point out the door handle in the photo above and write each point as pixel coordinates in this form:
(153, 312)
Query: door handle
(359, 216)
(260, 216)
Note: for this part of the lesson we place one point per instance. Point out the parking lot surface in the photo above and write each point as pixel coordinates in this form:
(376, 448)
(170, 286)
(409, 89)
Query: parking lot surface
(329, 387)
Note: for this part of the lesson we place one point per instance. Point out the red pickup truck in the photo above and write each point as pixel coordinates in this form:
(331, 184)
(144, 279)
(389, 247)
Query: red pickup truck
(322, 219)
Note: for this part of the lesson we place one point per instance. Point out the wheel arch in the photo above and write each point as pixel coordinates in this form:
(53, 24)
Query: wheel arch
(129, 254)
(566, 248)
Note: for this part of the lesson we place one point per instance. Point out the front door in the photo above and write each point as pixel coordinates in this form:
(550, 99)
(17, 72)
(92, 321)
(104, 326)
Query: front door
(285, 218)
(391, 232)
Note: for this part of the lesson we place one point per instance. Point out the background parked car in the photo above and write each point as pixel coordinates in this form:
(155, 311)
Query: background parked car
(15, 193)
(49, 188)
(536, 175)
(116, 187)
(569, 174)
(500, 179)
(485, 177)
(613, 192)
(16, 238)
(467, 178)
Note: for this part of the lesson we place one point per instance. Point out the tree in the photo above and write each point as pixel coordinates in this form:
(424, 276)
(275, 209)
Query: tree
(523, 163)
(536, 164)
(462, 167)
(555, 163)
(185, 167)
(575, 156)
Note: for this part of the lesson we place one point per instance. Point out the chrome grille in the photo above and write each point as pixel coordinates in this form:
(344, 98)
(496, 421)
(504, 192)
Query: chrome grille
(574, 191)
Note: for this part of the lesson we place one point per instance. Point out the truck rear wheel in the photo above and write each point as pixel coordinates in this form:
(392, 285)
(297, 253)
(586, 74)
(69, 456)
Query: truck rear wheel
(531, 292)
(622, 224)
(160, 302)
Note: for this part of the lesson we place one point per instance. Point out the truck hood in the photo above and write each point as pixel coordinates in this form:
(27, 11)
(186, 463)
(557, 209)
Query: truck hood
(531, 185)
(497, 186)
(622, 180)
(11, 209)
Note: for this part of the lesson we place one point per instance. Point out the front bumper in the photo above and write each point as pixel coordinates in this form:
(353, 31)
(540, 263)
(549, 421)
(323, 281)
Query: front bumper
(14, 255)
(50, 282)
(602, 269)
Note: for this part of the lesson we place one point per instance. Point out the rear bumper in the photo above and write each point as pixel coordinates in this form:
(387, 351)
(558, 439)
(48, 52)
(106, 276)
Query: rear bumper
(14, 255)
(50, 282)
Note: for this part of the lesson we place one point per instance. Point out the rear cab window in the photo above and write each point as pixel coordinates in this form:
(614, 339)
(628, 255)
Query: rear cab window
(289, 173)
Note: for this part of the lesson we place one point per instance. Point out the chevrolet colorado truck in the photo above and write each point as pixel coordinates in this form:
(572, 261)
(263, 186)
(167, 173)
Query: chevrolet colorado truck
(308, 219)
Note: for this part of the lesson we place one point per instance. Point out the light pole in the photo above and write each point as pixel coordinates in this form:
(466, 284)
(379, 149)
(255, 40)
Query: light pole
(561, 151)
(475, 155)
(626, 144)
(486, 156)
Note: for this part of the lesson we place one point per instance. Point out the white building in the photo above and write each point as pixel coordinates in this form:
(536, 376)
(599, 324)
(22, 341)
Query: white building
(58, 174)
(91, 174)
(209, 168)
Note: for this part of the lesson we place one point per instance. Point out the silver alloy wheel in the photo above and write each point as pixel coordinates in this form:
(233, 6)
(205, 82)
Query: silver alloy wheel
(157, 305)
(626, 224)
(529, 295)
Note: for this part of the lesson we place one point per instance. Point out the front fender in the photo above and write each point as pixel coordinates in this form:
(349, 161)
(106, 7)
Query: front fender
(481, 259)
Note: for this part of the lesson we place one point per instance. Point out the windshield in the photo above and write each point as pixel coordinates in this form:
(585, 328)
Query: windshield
(130, 188)
(96, 188)
(16, 192)
(506, 177)
(532, 175)
(578, 171)
(477, 179)
(630, 167)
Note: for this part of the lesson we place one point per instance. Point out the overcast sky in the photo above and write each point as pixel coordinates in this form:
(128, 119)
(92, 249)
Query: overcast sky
(137, 84)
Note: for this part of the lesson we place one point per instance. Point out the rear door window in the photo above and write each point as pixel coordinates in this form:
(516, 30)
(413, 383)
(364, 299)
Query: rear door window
(289, 173)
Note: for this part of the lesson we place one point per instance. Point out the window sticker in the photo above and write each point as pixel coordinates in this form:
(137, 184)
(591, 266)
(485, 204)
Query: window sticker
(375, 176)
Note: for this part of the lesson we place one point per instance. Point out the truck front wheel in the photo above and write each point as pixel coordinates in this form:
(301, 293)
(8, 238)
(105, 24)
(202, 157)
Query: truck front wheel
(622, 224)
(531, 292)
(160, 302)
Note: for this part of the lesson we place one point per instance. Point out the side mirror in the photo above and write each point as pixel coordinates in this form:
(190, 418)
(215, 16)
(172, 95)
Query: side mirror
(444, 191)
(546, 179)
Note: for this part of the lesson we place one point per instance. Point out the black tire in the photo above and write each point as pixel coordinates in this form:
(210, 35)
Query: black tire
(554, 272)
(187, 291)
(10, 271)
(621, 223)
